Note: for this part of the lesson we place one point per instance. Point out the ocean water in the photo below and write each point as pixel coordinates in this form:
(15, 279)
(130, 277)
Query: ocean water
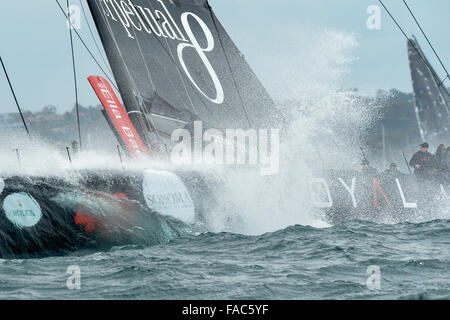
(299, 262)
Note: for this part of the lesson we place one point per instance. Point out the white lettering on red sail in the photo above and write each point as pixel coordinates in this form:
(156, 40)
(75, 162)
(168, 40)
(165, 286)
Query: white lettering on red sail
(119, 117)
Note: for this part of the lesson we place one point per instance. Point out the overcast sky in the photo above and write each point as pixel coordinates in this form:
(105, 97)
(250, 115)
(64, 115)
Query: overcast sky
(278, 37)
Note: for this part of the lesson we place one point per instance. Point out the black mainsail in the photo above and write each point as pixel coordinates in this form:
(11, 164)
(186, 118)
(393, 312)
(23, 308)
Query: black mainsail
(430, 97)
(174, 63)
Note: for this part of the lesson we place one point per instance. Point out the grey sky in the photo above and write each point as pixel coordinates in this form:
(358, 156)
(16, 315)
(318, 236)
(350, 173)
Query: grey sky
(275, 35)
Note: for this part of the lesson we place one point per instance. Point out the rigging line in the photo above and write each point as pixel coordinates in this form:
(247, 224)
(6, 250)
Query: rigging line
(409, 40)
(15, 98)
(147, 114)
(93, 37)
(181, 78)
(182, 81)
(403, 32)
(179, 72)
(87, 48)
(176, 65)
(143, 60)
(440, 89)
(423, 33)
(228, 62)
(443, 80)
(77, 107)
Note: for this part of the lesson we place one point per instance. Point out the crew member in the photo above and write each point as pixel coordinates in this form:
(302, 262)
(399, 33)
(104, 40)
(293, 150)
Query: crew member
(423, 162)
(368, 170)
(447, 160)
(444, 168)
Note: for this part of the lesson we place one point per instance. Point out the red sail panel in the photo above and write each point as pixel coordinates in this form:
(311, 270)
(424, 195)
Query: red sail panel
(118, 116)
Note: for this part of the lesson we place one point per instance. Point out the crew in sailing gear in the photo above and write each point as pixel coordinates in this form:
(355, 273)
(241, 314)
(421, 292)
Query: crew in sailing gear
(441, 157)
(368, 170)
(393, 170)
(423, 162)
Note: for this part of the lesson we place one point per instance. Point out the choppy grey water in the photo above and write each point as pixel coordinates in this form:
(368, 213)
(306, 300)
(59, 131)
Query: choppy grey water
(296, 263)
